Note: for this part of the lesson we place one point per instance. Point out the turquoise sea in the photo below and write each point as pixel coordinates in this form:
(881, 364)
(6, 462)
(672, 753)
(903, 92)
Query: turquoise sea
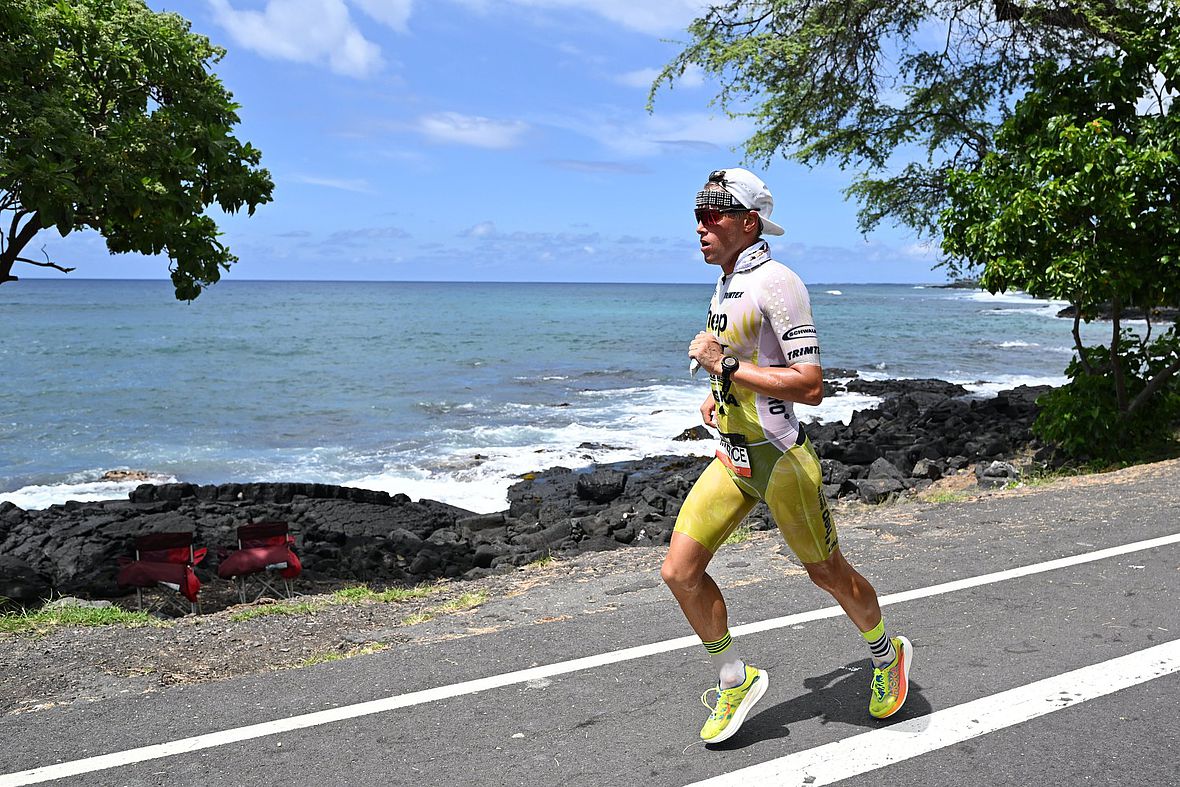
(447, 391)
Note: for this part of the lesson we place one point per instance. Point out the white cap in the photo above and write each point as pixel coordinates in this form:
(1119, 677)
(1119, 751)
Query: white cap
(748, 189)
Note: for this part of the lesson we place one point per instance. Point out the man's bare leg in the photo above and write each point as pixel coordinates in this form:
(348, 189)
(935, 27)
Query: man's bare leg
(698, 595)
(852, 592)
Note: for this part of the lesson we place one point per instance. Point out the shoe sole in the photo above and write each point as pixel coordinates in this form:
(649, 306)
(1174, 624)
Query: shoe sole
(907, 663)
(739, 716)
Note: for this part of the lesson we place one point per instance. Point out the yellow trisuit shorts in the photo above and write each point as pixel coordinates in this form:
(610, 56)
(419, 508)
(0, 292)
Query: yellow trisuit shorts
(791, 483)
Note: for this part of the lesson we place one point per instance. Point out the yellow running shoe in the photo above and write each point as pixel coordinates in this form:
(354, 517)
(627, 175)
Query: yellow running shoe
(891, 684)
(733, 705)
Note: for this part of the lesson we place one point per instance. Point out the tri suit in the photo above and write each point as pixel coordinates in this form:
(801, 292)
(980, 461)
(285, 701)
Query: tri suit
(761, 314)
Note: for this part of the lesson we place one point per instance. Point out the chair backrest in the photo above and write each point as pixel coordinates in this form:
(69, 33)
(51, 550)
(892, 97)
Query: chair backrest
(264, 534)
(164, 559)
(165, 548)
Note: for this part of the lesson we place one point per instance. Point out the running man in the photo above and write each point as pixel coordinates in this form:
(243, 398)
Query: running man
(762, 354)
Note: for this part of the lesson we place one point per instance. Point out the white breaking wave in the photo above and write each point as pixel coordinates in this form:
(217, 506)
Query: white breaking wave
(38, 496)
(833, 292)
(1018, 344)
(1001, 297)
(1004, 382)
(476, 473)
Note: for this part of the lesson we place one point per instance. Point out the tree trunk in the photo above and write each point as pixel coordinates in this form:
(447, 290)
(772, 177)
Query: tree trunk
(1116, 361)
(16, 242)
(1153, 385)
(1077, 337)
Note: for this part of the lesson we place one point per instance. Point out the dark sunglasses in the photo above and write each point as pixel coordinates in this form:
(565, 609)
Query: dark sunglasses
(712, 216)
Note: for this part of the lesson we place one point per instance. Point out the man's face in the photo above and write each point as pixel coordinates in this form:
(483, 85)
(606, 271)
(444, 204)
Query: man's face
(725, 238)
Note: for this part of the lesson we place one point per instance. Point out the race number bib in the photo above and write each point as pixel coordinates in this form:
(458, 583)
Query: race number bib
(735, 457)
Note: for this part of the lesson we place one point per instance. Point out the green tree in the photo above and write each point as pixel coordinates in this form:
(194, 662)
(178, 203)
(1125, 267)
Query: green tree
(110, 119)
(901, 91)
(1080, 201)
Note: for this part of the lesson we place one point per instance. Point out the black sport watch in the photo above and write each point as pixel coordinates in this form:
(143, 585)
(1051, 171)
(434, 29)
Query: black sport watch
(729, 365)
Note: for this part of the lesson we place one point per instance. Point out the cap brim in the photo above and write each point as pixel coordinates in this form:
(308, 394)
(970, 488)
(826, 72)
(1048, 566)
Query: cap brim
(770, 228)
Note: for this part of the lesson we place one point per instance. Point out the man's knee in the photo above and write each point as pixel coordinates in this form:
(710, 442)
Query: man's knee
(680, 575)
(832, 574)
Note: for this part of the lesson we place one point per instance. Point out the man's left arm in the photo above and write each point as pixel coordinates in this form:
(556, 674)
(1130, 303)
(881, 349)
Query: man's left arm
(802, 382)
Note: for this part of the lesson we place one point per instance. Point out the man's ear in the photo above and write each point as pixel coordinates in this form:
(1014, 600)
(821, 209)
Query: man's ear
(751, 222)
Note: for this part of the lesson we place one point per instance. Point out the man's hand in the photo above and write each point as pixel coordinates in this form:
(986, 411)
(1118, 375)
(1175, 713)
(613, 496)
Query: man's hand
(709, 411)
(707, 351)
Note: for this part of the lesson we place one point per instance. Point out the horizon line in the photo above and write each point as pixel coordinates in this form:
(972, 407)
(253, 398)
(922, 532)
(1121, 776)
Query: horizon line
(446, 281)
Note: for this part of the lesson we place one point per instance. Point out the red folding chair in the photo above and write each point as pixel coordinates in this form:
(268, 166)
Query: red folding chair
(265, 557)
(164, 560)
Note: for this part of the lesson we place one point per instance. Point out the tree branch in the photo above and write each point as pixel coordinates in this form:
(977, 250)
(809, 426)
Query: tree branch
(1116, 362)
(1077, 339)
(17, 240)
(1154, 385)
(47, 264)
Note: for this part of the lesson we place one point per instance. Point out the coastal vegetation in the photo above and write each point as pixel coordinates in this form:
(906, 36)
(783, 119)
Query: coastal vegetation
(1037, 140)
(41, 621)
(901, 92)
(354, 595)
(1078, 202)
(740, 535)
(112, 120)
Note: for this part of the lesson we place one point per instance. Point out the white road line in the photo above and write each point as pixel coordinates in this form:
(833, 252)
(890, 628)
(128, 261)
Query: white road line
(872, 750)
(225, 737)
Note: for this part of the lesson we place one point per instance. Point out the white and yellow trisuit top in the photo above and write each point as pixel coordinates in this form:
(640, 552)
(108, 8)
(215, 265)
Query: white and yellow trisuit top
(761, 314)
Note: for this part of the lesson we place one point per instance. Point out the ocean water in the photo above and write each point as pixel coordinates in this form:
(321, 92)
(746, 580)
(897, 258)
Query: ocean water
(448, 391)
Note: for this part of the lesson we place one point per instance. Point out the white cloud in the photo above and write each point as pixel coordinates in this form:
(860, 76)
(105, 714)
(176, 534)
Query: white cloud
(394, 14)
(473, 130)
(356, 185)
(482, 230)
(656, 17)
(365, 236)
(642, 78)
(599, 167)
(323, 32)
(641, 135)
(313, 31)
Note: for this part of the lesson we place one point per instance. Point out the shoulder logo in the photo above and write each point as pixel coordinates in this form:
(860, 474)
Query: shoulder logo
(799, 332)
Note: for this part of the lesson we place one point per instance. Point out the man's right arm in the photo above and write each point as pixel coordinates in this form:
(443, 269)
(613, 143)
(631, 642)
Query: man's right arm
(709, 411)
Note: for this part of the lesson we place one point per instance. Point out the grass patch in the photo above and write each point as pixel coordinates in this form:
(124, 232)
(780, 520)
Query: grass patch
(359, 594)
(336, 655)
(363, 593)
(281, 608)
(1039, 475)
(739, 536)
(42, 621)
(461, 604)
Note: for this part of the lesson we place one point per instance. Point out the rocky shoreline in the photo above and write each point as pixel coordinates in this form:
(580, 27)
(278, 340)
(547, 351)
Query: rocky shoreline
(921, 431)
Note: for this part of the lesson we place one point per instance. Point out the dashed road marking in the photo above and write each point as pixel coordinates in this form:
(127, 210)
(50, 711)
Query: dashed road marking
(869, 751)
(238, 734)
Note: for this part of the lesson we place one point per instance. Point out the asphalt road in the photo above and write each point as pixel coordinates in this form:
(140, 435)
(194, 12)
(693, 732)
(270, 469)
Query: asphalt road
(634, 720)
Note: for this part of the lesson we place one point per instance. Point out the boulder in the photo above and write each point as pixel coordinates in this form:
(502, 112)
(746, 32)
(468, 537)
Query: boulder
(926, 468)
(996, 474)
(693, 433)
(21, 583)
(882, 468)
(879, 490)
(601, 486)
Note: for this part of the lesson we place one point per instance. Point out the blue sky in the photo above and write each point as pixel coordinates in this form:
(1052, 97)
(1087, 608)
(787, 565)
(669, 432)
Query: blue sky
(490, 140)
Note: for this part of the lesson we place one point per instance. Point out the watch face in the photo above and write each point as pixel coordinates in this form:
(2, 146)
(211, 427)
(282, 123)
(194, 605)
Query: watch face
(729, 364)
